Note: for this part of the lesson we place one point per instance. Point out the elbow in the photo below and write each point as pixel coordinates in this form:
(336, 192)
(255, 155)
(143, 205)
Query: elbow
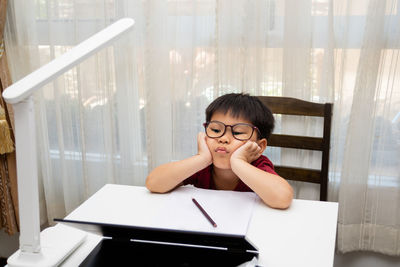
(284, 200)
(287, 200)
(151, 185)
(156, 184)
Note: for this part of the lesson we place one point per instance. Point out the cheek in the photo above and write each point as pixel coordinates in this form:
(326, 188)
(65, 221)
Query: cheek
(209, 142)
(237, 145)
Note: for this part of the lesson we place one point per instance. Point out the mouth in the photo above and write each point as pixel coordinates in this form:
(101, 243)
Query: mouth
(221, 150)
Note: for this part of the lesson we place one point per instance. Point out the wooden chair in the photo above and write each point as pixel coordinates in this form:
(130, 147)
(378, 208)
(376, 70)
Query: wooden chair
(292, 106)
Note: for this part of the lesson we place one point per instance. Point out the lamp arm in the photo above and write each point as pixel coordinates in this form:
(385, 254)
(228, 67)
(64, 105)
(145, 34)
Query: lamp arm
(19, 95)
(45, 74)
(28, 193)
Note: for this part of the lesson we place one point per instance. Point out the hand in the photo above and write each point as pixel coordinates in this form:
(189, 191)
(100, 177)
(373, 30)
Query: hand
(203, 149)
(248, 152)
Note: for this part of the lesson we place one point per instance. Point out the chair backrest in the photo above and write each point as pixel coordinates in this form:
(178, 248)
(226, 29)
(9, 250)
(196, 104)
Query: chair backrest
(293, 106)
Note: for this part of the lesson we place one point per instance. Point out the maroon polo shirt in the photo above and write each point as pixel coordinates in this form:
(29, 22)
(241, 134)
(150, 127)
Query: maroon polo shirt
(203, 178)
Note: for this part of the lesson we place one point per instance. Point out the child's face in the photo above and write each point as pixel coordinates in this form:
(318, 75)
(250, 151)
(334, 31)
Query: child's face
(221, 148)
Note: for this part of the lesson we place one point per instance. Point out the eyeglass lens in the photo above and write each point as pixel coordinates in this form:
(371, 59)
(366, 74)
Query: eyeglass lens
(240, 131)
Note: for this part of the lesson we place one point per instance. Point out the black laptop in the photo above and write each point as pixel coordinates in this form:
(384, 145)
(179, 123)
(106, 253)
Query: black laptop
(124, 245)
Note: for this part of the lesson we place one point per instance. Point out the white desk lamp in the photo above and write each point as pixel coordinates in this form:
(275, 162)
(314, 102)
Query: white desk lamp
(54, 244)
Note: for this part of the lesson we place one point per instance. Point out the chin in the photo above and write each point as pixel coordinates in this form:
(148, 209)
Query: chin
(226, 165)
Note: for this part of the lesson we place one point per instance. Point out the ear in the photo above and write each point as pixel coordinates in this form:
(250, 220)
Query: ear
(262, 143)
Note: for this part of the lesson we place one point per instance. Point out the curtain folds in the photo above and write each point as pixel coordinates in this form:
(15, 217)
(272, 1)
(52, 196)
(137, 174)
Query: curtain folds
(8, 176)
(370, 170)
(141, 102)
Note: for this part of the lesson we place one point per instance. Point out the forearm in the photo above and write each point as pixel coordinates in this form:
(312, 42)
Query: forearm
(167, 176)
(275, 191)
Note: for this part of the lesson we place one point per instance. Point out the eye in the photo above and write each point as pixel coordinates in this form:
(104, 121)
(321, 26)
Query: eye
(237, 133)
(215, 130)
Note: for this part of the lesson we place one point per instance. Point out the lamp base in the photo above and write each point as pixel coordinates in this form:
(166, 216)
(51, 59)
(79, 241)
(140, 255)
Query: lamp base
(57, 243)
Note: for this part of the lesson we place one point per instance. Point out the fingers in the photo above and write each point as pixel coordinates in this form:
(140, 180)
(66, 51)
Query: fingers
(252, 146)
(201, 135)
(202, 147)
(249, 152)
(201, 138)
(253, 149)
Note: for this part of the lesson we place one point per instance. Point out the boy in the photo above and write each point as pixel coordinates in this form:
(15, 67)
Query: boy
(229, 154)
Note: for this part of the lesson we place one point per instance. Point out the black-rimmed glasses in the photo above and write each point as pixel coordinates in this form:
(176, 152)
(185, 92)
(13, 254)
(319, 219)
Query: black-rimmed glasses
(240, 131)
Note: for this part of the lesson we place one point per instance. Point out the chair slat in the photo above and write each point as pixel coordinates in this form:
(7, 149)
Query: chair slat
(292, 106)
(298, 142)
(298, 107)
(299, 174)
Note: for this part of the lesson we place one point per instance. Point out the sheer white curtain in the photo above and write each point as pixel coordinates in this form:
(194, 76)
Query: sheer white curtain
(141, 102)
(89, 133)
(367, 139)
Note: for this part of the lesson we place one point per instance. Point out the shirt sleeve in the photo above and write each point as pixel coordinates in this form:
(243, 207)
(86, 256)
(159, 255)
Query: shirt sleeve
(200, 179)
(191, 180)
(264, 164)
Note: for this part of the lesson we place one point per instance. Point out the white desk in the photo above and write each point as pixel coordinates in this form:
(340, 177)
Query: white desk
(303, 235)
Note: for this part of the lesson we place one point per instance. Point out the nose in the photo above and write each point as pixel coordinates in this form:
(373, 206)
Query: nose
(226, 137)
(223, 139)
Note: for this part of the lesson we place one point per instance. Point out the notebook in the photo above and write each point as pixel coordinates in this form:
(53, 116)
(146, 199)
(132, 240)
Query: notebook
(136, 206)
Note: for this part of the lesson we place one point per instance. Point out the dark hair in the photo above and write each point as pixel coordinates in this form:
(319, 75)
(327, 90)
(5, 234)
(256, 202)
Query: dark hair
(247, 107)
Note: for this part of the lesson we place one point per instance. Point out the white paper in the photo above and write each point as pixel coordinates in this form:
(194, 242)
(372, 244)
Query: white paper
(136, 206)
(230, 210)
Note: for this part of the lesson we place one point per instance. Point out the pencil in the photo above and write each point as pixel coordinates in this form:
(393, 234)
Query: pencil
(204, 212)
